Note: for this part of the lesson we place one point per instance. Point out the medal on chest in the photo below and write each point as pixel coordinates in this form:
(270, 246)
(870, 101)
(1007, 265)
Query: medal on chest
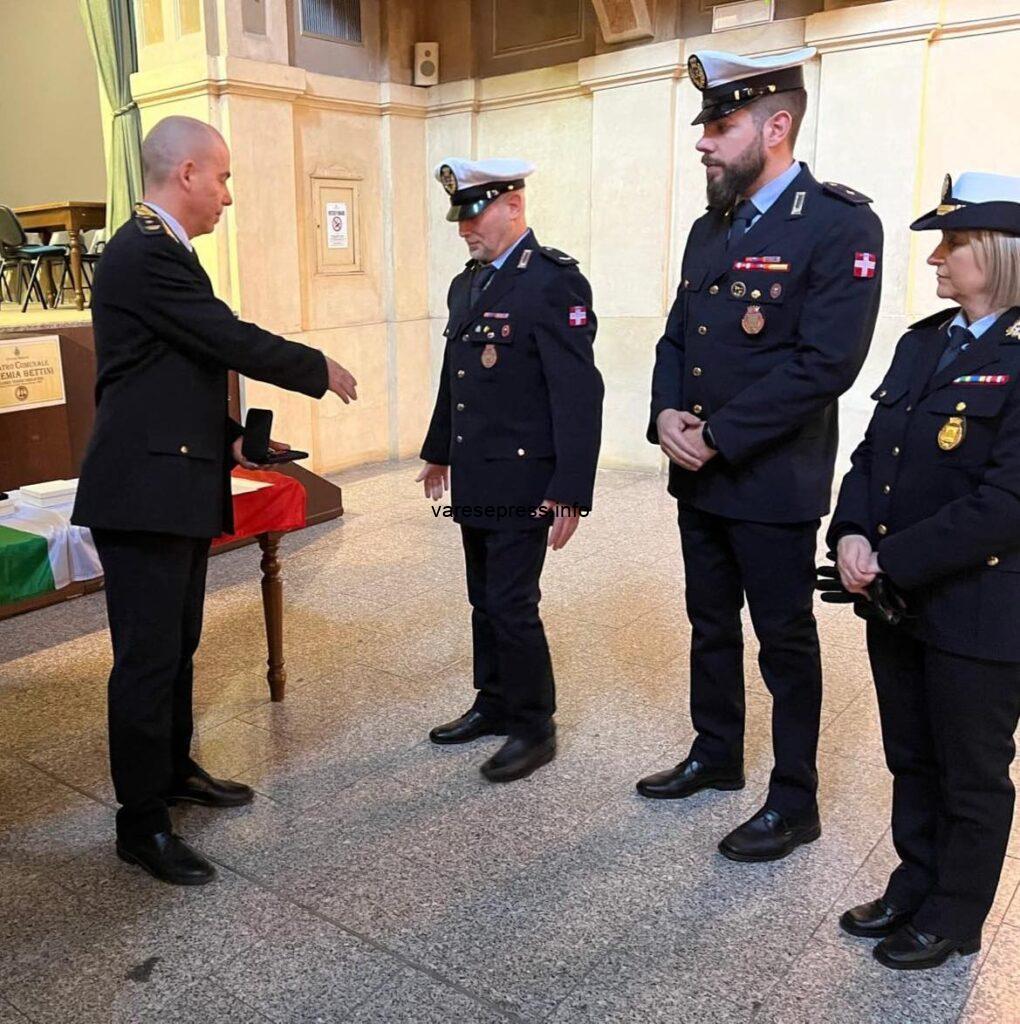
(753, 321)
(489, 356)
(952, 433)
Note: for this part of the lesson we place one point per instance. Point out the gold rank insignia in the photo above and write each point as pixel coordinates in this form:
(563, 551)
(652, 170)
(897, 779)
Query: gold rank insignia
(489, 356)
(953, 431)
(697, 72)
(753, 321)
(1013, 331)
(448, 179)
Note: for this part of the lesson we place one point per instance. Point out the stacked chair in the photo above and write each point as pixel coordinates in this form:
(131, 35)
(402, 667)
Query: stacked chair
(17, 254)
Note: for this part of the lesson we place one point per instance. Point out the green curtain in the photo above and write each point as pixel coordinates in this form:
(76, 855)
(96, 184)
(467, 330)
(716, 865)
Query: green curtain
(108, 27)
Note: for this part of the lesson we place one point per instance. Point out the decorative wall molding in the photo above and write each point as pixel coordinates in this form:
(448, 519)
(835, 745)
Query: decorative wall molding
(868, 34)
(219, 76)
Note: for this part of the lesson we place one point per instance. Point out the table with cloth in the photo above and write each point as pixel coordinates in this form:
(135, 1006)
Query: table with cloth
(42, 553)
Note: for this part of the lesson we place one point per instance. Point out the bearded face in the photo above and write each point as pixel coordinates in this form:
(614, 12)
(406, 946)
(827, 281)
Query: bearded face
(730, 178)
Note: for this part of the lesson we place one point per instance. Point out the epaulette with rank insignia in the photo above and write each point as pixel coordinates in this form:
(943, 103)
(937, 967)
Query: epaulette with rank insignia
(557, 257)
(943, 316)
(150, 223)
(847, 194)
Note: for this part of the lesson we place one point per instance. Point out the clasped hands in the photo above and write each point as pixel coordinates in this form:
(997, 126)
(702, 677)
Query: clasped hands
(681, 437)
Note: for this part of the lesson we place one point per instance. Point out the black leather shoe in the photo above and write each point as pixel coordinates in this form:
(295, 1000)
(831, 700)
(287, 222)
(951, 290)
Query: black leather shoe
(167, 857)
(201, 788)
(873, 920)
(468, 727)
(518, 758)
(769, 836)
(687, 778)
(907, 949)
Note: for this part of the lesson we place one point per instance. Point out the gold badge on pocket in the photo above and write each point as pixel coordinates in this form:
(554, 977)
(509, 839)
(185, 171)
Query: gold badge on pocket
(952, 433)
(489, 356)
(753, 321)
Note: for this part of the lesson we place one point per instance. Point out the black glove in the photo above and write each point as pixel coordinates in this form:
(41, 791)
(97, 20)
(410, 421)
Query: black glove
(887, 603)
(831, 587)
(883, 601)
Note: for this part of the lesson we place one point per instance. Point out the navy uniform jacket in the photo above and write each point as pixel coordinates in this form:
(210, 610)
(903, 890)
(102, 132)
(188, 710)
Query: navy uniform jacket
(525, 425)
(770, 398)
(946, 520)
(159, 457)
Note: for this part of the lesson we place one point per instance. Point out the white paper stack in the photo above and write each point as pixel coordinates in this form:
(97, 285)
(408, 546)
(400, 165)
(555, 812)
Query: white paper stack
(239, 485)
(50, 493)
(8, 506)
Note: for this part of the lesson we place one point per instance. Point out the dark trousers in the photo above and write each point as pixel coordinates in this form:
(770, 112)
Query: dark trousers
(774, 565)
(155, 591)
(947, 726)
(512, 669)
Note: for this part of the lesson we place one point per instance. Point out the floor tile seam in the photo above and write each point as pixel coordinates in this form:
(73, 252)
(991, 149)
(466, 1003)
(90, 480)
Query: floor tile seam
(850, 881)
(984, 955)
(17, 1009)
(63, 783)
(631, 959)
(381, 947)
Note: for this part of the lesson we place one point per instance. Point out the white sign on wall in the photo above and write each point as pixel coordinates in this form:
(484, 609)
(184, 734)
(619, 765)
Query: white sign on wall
(336, 226)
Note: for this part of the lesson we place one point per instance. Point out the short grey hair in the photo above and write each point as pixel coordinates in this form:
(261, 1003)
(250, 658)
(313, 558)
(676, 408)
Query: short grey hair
(172, 141)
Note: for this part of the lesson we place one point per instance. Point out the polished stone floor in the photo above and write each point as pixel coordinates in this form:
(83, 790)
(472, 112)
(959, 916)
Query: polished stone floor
(378, 878)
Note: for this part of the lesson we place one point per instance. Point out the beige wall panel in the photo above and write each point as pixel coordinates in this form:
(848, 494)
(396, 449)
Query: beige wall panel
(556, 137)
(347, 435)
(625, 355)
(414, 394)
(964, 129)
(271, 46)
(266, 214)
(448, 136)
(409, 198)
(336, 144)
(632, 154)
(870, 144)
(688, 182)
(53, 132)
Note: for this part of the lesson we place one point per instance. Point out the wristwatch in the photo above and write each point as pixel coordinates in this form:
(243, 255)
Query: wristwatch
(708, 438)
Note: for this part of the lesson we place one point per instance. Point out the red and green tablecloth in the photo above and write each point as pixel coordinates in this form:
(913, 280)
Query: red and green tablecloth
(41, 551)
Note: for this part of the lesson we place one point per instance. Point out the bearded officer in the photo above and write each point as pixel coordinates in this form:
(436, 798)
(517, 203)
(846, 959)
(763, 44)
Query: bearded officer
(772, 321)
(518, 419)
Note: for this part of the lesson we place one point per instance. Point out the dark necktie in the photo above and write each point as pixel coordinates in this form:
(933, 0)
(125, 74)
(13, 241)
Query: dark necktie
(744, 213)
(959, 339)
(479, 279)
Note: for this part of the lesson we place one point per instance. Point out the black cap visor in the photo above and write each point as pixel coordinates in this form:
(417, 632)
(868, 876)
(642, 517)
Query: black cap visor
(722, 100)
(953, 215)
(466, 203)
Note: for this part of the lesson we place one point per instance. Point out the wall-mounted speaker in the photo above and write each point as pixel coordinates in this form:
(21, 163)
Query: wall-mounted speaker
(426, 63)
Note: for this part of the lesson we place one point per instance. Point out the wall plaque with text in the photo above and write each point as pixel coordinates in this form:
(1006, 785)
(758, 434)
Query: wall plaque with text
(31, 373)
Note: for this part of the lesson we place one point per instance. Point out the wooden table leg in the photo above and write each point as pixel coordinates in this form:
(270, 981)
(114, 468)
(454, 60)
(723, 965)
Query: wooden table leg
(46, 281)
(272, 606)
(79, 292)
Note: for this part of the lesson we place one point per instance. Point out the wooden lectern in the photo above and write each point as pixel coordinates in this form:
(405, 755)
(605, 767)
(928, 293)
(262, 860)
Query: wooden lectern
(48, 443)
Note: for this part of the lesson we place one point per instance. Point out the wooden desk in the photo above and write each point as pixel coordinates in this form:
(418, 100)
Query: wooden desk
(72, 217)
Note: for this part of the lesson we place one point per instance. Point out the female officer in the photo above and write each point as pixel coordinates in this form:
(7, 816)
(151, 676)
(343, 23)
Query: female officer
(932, 501)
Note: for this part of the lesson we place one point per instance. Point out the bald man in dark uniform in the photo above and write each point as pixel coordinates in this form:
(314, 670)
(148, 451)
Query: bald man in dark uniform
(155, 482)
